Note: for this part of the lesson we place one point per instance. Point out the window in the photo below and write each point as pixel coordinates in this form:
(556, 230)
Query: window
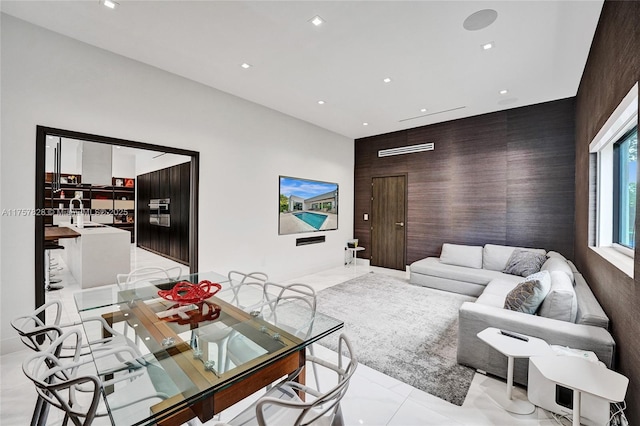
(614, 155)
(625, 156)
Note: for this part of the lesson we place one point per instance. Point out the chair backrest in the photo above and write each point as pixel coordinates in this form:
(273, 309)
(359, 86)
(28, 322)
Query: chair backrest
(284, 301)
(147, 273)
(56, 381)
(239, 280)
(34, 332)
(324, 404)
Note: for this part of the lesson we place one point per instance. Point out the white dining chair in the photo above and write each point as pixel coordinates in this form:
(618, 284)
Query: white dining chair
(284, 299)
(38, 334)
(282, 404)
(240, 281)
(74, 387)
(290, 307)
(141, 275)
(126, 281)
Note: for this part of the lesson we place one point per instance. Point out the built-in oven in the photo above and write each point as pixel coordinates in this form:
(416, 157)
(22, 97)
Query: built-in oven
(159, 212)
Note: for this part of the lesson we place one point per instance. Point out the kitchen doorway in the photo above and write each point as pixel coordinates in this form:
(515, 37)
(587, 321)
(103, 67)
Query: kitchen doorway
(47, 207)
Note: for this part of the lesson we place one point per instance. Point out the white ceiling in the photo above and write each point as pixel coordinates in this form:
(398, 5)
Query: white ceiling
(434, 63)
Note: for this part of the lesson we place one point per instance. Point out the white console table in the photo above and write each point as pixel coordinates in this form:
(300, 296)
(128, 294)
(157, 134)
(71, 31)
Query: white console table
(582, 376)
(514, 348)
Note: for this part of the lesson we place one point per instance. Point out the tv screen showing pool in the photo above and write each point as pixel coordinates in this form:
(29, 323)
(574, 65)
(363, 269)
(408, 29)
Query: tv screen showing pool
(307, 206)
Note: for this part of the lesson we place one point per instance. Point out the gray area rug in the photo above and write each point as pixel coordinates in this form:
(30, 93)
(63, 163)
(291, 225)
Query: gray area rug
(405, 331)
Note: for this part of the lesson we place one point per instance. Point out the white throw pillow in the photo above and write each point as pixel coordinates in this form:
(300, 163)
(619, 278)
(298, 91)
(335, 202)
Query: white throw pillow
(459, 255)
(555, 254)
(556, 264)
(561, 303)
(495, 257)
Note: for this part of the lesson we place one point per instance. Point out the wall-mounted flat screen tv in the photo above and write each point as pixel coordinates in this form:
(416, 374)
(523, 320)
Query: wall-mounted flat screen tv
(307, 206)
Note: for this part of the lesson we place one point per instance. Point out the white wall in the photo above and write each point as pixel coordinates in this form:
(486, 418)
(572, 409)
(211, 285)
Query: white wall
(70, 158)
(123, 164)
(243, 149)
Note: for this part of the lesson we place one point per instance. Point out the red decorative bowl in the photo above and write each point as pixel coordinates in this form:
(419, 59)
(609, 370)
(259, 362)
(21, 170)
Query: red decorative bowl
(186, 292)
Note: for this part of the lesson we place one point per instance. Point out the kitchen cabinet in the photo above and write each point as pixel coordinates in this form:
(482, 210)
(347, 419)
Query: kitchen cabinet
(112, 205)
(173, 184)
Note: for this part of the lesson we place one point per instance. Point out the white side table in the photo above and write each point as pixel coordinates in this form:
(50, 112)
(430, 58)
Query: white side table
(514, 348)
(353, 251)
(582, 376)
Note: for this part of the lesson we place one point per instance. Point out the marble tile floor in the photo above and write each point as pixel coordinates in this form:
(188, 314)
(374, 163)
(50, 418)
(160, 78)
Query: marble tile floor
(373, 398)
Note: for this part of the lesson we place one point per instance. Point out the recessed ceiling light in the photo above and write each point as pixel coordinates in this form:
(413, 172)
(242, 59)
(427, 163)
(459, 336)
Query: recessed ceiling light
(118, 147)
(365, 124)
(317, 21)
(245, 65)
(504, 91)
(48, 146)
(423, 110)
(109, 3)
(321, 102)
(387, 80)
(488, 46)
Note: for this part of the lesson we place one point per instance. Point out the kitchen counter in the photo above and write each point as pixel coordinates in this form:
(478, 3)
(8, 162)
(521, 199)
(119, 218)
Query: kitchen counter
(53, 233)
(98, 254)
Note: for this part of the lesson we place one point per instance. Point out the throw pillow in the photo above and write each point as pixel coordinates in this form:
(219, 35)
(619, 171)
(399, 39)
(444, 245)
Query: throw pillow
(561, 303)
(495, 257)
(527, 296)
(461, 255)
(524, 263)
(555, 264)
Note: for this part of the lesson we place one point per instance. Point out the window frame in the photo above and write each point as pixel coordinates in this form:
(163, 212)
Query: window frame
(601, 214)
(617, 190)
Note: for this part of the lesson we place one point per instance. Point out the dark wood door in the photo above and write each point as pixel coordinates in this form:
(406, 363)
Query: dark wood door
(388, 222)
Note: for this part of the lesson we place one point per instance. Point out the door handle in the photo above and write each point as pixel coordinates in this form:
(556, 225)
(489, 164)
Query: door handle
(400, 223)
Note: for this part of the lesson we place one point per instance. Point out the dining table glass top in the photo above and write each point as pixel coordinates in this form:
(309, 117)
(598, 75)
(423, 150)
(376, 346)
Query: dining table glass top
(181, 352)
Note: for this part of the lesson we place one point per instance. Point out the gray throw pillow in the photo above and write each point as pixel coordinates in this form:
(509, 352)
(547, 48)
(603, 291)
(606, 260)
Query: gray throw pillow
(527, 296)
(524, 263)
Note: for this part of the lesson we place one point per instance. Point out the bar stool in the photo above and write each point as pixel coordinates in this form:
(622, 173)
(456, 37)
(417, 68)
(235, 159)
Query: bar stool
(51, 283)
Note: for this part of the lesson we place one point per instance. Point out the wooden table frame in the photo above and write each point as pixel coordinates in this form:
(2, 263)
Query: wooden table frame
(255, 377)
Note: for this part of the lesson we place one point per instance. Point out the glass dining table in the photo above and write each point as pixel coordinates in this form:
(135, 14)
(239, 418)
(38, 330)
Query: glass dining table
(195, 357)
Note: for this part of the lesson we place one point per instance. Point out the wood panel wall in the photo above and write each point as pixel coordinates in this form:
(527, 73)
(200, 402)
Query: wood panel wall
(612, 68)
(172, 183)
(501, 178)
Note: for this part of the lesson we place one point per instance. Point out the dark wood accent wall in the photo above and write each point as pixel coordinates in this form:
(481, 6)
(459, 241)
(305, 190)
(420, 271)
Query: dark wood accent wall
(612, 68)
(502, 178)
(172, 183)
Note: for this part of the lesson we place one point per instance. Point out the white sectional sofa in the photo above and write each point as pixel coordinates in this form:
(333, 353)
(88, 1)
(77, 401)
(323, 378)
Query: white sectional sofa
(569, 315)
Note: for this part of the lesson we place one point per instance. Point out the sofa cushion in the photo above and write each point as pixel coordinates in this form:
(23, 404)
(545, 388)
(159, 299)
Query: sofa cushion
(527, 296)
(589, 310)
(434, 267)
(524, 263)
(561, 303)
(556, 264)
(460, 255)
(496, 291)
(495, 257)
(573, 269)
